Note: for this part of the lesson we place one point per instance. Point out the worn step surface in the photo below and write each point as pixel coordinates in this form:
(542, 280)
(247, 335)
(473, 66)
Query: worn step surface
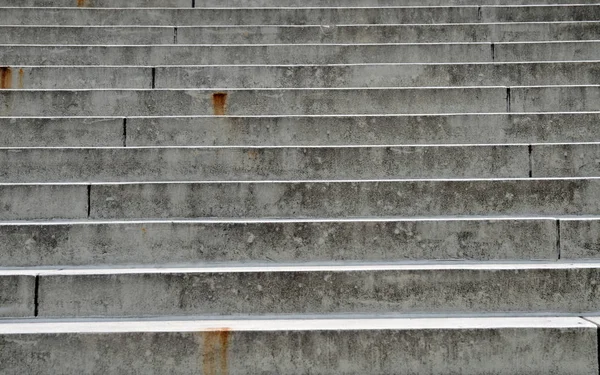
(299, 34)
(294, 54)
(298, 346)
(251, 290)
(93, 242)
(298, 16)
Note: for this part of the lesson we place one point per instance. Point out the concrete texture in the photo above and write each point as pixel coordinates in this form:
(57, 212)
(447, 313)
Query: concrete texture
(539, 51)
(68, 77)
(306, 76)
(413, 289)
(362, 130)
(47, 244)
(297, 16)
(568, 347)
(27, 202)
(100, 3)
(555, 99)
(17, 296)
(257, 54)
(573, 160)
(287, 34)
(375, 75)
(282, 101)
(580, 238)
(252, 164)
(57, 132)
(346, 199)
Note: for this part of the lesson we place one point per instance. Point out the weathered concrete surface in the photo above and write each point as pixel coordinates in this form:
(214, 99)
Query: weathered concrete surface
(255, 164)
(375, 75)
(363, 130)
(286, 34)
(57, 132)
(87, 35)
(338, 346)
(539, 51)
(580, 238)
(555, 99)
(346, 199)
(297, 16)
(258, 54)
(316, 3)
(16, 296)
(573, 160)
(270, 102)
(30, 245)
(101, 3)
(69, 77)
(240, 16)
(26, 202)
(405, 290)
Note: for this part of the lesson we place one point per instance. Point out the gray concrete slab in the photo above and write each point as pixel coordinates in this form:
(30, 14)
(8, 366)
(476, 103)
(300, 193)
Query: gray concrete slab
(423, 346)
(255, 164)
(298, 16)
(346, 199)
(364, 130)
(308, 76)
(70, 77)
(57, 132)
(27, 202)
(555, 99)
(282, 34)
(372, 75)
(17, 296)
(200, 242)
(280, 101)
(405, 289)
(12, 55)
(316, 3)
(580, 238)
(552, 51)
(99, 3)
(238, 16)
(566, 160)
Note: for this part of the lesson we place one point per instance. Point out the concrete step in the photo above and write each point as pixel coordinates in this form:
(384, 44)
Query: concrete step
(577, 160)
(308, 76)
(299, 130)
(266, 290)
(269, 3)
(304, 76)
(301, 199)
(295, 54)
(298, 16)
(426, 33)
(498, 345)
(346, 101)
(263, 163)
(196, 242)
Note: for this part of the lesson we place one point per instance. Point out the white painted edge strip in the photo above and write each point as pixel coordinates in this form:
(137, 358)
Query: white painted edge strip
(274, 325)
(304, 267)
(472, 6)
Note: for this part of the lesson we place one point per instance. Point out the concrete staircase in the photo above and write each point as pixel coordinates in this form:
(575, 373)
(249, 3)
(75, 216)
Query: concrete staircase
(299, 187)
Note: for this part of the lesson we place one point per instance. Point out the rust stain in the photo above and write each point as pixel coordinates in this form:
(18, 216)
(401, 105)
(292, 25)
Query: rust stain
(214, 351)
(5, 77)
(219, 100)
(253, 154)
(144, 230)
(82, 3)
(21, 75)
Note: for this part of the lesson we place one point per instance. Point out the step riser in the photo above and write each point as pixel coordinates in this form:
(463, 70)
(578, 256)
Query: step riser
(297, 54)
(437, 291)
(294, 131)
(300, 34)
(304, 76)
(241, 102)
(334, 199)
(297, 16)
(102, 3)
(197, 243)
(580, 239)
(434, 351)
(254, 164)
